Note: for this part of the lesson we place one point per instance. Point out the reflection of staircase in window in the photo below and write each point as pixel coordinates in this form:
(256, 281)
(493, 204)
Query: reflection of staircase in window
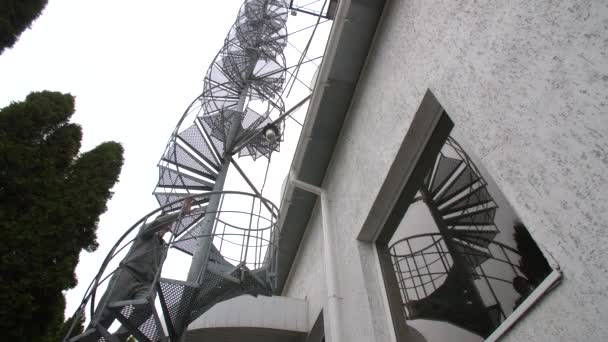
(439, 272)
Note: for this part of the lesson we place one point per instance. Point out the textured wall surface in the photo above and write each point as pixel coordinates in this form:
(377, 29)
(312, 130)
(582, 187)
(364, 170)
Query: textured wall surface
(526, 82)
(307, 280)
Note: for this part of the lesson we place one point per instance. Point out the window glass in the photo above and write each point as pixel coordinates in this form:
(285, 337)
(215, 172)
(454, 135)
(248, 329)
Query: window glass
(463, 259)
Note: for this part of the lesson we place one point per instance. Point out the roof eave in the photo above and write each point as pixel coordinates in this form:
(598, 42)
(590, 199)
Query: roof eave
(345, 55)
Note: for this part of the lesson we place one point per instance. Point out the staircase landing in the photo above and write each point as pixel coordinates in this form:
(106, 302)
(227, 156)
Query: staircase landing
(274, 318)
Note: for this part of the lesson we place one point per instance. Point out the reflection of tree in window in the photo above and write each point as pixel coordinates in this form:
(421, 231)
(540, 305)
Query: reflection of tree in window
(532, 264)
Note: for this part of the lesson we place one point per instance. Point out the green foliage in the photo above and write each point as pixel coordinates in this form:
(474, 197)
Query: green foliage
(15, 17)
(50, 201)
(58, 329)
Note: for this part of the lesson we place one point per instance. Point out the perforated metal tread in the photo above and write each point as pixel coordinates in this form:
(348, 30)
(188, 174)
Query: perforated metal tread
(216, 288)
(193, 138)
(176, 298)
(183, 301)
(139, 316)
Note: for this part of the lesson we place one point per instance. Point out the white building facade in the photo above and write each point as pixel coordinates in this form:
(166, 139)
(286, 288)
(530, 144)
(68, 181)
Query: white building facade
(523, 86)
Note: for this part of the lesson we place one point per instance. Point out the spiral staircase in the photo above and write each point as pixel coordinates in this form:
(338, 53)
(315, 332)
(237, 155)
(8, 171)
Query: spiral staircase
(439, 273)
(242, 98)
(181, 302)
(242, 91)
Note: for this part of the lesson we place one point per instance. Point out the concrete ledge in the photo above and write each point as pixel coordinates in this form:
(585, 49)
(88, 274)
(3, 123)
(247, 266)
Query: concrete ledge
(248, 318)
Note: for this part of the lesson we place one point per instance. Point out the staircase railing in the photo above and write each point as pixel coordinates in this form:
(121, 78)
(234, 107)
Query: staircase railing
(244, 252)
(422, 263)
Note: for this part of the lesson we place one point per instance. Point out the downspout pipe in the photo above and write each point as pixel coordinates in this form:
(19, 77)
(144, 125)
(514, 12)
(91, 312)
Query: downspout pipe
(331, 279)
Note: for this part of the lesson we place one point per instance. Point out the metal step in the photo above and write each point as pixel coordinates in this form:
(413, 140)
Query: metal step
(218, 144)
(183, 301)
(176, 298)
(479, 196)
(188, 221)
(164, 198)
(216, 288)
(194, 139)
(463, 181)
(178, 179)
(193, 161)
(187, 242)
(223, 271)
(446, 167)
(482, 217)
(479, 238)
(140, 318)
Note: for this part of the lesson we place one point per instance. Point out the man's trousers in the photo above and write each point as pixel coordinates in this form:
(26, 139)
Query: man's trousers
(122, 286)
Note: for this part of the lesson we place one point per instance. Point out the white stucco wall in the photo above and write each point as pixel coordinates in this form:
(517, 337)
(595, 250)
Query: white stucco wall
(307, 279)
(527, 83)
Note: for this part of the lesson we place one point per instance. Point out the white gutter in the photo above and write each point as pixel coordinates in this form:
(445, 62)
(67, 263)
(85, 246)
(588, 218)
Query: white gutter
(331, 279)
(347, 48)
(322, 81)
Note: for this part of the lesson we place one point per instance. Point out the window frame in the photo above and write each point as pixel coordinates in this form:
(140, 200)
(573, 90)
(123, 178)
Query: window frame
(430, 129)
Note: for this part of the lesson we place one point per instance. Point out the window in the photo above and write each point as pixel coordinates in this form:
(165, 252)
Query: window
(458, 264)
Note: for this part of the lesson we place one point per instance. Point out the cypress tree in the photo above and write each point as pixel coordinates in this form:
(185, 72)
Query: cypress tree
(50, 201)
(15, 17)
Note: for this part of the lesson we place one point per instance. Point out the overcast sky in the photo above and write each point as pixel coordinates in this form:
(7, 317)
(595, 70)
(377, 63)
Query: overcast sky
(134, 66)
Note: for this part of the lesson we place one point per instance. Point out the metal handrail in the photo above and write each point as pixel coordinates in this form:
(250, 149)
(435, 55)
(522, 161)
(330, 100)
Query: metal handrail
(120, 245)
(439, 234)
